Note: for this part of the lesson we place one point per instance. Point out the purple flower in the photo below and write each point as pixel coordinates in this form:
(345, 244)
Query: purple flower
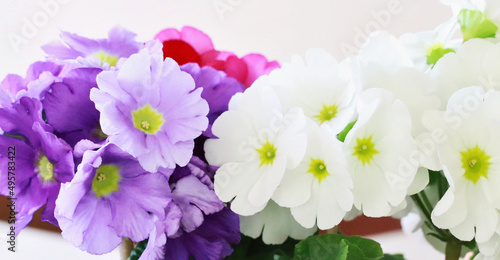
(40, 164)
(39, 77)
(5, 101)
(100, 53)
(69, 109)
(206, 228)
(198, 168)
(111, 197)
(217, 90)
(151, 109)
(195, 200)
(210, 241)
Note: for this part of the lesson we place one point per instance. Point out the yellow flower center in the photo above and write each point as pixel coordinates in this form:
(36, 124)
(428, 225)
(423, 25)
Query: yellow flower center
(147, 119)
(267, 153)
(106, 58)
(318, 169)
(365, 149)
(106, 180)
(45, 169)
(327, 113)
(476, 163)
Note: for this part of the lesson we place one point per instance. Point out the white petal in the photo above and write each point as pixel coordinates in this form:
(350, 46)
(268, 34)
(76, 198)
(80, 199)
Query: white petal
(266, 184)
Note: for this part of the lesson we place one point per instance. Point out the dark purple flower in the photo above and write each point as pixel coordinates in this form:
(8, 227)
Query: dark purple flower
(210, 241)
(40, 164)
(195, 200)
(111, 197)
(217, 90)
(206, 228)
(98, 53)
(198, 168)
(69, 109)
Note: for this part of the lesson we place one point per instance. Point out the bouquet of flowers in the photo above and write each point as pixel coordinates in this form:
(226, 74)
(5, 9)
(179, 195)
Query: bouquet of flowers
(181, 151)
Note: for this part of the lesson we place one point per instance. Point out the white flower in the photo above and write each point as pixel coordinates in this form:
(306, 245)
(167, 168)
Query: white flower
(395, 72)
(275, 224)
(491, 8)
(476, 63)
(408, 84)
(490, 250)
(423, 47)
(317, 86)
(381, 153)
(320, 187)
(257, 143)
(385, 51)
(469, 151)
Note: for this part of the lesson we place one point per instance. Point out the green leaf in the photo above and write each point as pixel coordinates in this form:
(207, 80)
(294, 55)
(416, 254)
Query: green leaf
(393, 257)
(282, 257)
(255, 249)
(341, 136)
(137, 252)
(474, 24)
(338, 247)
(437, 54)
(15, 136)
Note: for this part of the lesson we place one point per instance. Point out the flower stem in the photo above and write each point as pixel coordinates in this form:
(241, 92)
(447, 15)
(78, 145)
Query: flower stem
(426, 211)
(126, 248)
(453, 248)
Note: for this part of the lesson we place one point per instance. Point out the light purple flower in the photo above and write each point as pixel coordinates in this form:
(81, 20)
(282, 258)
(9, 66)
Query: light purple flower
(5, 100)
(111, 197)
(99, 53)
(39, 77)
(151, 109)
(70, 111)
(41, 161)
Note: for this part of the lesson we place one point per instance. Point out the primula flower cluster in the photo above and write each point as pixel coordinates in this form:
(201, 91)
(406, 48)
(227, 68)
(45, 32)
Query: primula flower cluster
(285, 158)
(407, 125)
(183, 147)
(107, 136)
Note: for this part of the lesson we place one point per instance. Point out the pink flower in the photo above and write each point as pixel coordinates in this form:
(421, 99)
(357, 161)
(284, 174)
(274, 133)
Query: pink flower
(192, 45)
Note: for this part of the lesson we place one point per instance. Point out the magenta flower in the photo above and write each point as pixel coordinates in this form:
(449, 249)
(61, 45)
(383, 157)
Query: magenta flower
(184, 46)
(111, 197)
(40, 161)
(192, 45)
(151, 109)
(246, 69)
